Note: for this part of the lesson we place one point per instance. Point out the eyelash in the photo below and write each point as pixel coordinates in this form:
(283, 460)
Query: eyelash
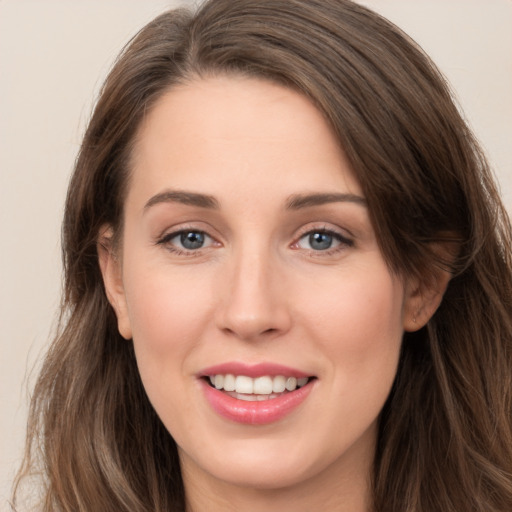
(343, 242)
(166, 239)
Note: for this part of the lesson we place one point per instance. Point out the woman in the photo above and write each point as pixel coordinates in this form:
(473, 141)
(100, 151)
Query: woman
(288, 279)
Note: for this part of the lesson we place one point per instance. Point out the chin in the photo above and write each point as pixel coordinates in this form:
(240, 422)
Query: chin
(269, 475)
(277, 464)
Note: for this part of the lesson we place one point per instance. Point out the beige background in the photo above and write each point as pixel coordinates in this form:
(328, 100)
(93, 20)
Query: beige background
(53, 57)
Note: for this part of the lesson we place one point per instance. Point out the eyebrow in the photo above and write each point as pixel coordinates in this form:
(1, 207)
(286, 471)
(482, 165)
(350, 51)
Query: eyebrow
(182, 197)
(294, 202)
(299, 201)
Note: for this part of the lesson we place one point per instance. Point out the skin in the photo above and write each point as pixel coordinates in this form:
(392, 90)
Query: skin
(258, 291)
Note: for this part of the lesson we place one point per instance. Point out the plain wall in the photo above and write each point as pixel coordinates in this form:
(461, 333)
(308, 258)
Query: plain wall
(53, 58)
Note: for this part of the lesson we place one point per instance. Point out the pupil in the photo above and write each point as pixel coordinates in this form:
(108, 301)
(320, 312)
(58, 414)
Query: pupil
(192, 240)
(320, 241)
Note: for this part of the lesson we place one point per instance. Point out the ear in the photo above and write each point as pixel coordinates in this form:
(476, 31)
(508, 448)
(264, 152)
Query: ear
(424, 294)
(111, 270)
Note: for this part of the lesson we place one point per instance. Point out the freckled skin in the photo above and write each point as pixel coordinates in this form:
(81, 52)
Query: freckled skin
(257, 291)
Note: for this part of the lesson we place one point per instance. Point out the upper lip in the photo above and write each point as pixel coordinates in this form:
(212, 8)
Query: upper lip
(252, 370)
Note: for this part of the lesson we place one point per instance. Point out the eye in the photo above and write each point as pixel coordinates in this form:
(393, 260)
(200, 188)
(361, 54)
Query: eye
(322, 240)
(186, 240)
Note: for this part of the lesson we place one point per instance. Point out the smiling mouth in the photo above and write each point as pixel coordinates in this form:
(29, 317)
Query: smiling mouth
(256, 389)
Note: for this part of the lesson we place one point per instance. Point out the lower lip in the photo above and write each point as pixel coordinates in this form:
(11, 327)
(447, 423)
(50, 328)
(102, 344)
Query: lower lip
(255, 413)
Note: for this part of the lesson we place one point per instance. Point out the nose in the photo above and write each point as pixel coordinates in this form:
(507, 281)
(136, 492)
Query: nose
(253, 302)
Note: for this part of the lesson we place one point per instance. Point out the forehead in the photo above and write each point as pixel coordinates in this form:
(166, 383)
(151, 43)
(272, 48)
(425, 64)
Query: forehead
(240, 134)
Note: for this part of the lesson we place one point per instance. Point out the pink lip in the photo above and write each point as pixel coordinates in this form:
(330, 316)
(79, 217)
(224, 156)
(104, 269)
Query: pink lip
(252, 370)
(255, 413)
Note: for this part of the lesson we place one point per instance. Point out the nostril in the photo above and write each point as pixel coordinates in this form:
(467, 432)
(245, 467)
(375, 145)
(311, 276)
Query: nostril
(250, 331)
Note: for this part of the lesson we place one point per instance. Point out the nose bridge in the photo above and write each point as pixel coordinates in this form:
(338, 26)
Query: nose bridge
(253, 303)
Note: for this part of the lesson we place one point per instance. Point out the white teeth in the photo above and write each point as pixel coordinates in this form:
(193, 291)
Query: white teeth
(229, 382)
(253, 398)
(291, 383)
(278, 384)
(247, 398)
(219, 381)
(243, 384)
(260, 386)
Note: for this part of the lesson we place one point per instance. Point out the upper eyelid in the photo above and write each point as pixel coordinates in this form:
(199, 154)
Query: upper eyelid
(176, 232)
(323, 228)
(172, 231)
(343, 236)
(166, 237)
(340, 239)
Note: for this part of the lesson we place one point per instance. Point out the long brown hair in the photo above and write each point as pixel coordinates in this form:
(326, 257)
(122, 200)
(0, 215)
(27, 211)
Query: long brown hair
(445, 437)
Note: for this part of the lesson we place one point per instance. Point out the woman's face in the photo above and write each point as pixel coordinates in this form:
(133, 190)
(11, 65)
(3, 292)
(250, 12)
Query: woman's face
(248, 256)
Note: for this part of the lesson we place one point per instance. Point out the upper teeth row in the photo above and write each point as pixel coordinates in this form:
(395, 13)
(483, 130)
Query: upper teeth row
(260, 385)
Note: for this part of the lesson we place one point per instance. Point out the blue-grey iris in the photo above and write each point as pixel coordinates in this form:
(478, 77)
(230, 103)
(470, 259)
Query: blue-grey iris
(320, 241)
(192, 239)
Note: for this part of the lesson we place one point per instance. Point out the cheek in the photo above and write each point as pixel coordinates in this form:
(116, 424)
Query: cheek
(359, 329)
(169, 319)
(363, 300)
(358, 321)
(168, 316)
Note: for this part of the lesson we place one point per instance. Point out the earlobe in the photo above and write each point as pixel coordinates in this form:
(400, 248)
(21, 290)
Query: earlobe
(111, 271)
